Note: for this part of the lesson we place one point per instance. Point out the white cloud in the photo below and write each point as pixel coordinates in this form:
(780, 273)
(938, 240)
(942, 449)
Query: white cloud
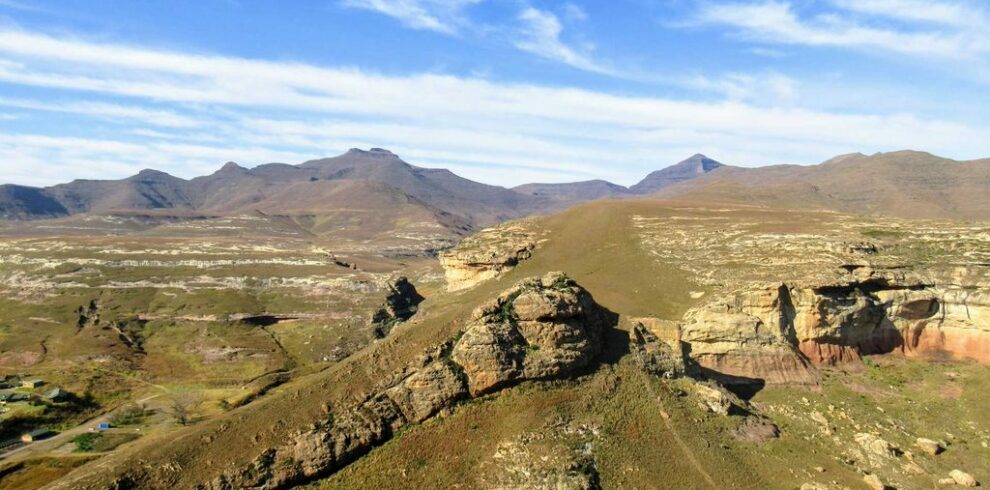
(950, 13)
(773, 21)
(540, 35)
(154, 117)
(290, 112)
(445, 16)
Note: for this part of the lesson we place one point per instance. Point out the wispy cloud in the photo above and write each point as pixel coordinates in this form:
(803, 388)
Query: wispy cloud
(15, 5)
(950, 13)
(292, 111)
(444, 16)
(765, 88)
(153, 117)
(961, 34)
(540, 34)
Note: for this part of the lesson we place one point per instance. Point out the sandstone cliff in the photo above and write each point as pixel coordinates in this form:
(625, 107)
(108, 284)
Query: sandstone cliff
(486, 255)
(778, 334)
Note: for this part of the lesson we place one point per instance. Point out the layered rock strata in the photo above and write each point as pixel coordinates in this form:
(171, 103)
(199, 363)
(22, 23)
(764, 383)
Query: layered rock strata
(779, 334)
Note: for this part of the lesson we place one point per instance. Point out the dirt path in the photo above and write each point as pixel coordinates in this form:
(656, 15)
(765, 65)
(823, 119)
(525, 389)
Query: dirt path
(677, 438)
(47, 445)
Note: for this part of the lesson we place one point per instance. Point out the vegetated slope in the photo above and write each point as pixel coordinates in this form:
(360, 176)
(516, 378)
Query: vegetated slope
(357, 209)
(903, 183)
(246, 433)
(638, 429)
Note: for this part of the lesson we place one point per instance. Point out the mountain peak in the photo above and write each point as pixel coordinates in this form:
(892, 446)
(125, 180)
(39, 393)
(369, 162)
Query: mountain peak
(694, 166)
(152, 174)
(702, 162)
(373, 152)
(231, 166)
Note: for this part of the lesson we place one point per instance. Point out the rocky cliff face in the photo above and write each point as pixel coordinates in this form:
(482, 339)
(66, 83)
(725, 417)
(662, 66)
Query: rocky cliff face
(784, 293)
(486, 255)
(779, 334)
(541, 328)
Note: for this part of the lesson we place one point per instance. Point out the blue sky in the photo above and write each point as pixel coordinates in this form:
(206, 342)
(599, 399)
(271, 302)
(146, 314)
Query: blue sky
(502, 91)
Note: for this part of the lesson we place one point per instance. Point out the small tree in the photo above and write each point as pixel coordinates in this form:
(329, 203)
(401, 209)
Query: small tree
(181, 405)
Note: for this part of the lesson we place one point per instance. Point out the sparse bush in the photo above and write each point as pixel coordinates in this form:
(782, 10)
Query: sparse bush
(85, 442)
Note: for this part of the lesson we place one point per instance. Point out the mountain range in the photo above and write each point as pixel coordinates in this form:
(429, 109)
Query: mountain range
(358, 184)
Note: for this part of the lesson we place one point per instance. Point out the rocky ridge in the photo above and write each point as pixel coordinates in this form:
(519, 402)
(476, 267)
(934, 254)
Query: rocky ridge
(542, 328)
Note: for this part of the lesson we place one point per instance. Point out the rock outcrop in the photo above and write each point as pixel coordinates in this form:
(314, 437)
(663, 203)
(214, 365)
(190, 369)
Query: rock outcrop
(486, 255)
(746, 339)
(560, 456)
(400, 304)
(541, 328)
(658, 347)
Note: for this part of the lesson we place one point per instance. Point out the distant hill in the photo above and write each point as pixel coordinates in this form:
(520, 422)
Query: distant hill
(353, 190)
(689, 169)
(904, 183)
(559, 196)
(367, 191)
(568, 194)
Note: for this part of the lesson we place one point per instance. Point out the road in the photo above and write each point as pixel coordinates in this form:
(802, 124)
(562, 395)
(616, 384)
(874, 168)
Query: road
(47, 445)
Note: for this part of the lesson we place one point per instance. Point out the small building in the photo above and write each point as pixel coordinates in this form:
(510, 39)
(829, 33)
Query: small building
(32, 383)
(36, 435)
(103, 426)
(57, 395)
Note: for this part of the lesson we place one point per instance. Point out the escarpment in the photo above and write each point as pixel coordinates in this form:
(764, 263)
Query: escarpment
(541, 328)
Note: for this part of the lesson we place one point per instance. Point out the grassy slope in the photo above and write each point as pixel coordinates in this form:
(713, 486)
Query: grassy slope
(596, 246)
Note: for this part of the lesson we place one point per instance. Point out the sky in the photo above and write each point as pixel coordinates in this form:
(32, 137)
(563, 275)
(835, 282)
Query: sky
(501, 91)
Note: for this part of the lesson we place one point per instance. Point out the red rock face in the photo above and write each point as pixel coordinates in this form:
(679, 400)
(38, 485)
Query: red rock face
(930, 342)
(820, 354)
(779, 367)
(779, 335)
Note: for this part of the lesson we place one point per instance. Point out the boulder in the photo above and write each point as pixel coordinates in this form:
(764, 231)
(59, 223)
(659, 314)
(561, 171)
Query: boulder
(874, 482)
(963, 479)
(928, 446)
(428, 390)
(541, 328)
(756, 430)
(715, 398)
(876, 448)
